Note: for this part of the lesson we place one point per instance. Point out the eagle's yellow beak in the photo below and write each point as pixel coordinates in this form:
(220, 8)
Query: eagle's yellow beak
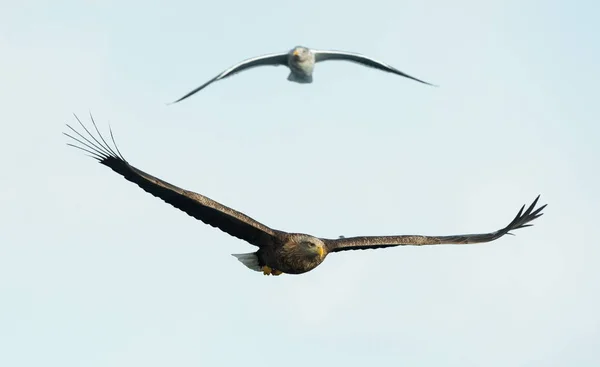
(296, 53)
(321, 251)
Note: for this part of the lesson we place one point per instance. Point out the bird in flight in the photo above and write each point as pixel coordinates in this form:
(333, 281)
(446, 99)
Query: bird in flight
(301, 61)
(278, 251)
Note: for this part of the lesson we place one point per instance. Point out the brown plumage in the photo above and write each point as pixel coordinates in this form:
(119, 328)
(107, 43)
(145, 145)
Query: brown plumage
(278, 251)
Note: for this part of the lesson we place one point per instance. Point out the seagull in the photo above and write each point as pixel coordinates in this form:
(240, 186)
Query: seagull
(301, 61)
(278, 251)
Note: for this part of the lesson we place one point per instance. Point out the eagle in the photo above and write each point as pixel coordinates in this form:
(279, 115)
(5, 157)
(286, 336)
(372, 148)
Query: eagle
(278, 251)
(301, 62)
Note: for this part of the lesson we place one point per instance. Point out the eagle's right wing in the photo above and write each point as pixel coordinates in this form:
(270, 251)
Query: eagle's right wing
(198, 206)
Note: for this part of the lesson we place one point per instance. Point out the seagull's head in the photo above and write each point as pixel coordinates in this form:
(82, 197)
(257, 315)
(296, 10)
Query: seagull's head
(300, 54)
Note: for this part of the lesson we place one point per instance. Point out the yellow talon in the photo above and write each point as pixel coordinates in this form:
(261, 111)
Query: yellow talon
(267, 270)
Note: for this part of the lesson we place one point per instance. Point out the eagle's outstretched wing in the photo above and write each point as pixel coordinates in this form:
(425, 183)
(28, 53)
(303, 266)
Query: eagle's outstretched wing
(198, 206)
(372, 242)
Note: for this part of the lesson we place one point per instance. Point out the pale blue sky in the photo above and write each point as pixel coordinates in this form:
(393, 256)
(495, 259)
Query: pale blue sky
(96, 272)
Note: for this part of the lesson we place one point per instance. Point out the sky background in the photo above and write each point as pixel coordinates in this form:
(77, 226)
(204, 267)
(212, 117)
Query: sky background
(96, 272)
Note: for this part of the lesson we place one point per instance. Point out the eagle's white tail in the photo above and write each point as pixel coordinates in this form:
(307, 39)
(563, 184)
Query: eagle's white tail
(250, 260)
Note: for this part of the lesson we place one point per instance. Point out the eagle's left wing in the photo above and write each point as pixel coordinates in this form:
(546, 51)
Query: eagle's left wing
(372, 242)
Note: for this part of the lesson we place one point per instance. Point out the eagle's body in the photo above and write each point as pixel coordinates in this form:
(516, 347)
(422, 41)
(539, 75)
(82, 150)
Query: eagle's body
(278, 251)
(292, 253)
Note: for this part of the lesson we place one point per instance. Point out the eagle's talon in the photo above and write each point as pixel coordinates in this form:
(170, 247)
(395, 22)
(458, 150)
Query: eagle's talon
(267, 270)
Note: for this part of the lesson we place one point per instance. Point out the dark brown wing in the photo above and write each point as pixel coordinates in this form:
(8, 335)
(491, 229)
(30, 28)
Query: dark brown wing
(363, 243)
(198, 206)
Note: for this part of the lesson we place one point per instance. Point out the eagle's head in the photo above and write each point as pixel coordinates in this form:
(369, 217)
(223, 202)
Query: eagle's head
(306, 247)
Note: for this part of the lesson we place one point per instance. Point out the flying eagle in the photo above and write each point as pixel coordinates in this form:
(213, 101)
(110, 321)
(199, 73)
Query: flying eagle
(301, 61)
(278, 251)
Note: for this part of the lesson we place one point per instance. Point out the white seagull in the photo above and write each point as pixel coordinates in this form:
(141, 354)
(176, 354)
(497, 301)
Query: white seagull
(301, 61)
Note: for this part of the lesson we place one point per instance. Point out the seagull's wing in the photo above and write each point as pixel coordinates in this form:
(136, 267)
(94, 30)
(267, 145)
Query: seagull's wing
(324, 55)
(363, 243)
(198, 206)
(271, 59)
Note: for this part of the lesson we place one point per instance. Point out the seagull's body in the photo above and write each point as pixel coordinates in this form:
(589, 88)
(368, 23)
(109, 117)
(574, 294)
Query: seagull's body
(301, 62)
(278, 251)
